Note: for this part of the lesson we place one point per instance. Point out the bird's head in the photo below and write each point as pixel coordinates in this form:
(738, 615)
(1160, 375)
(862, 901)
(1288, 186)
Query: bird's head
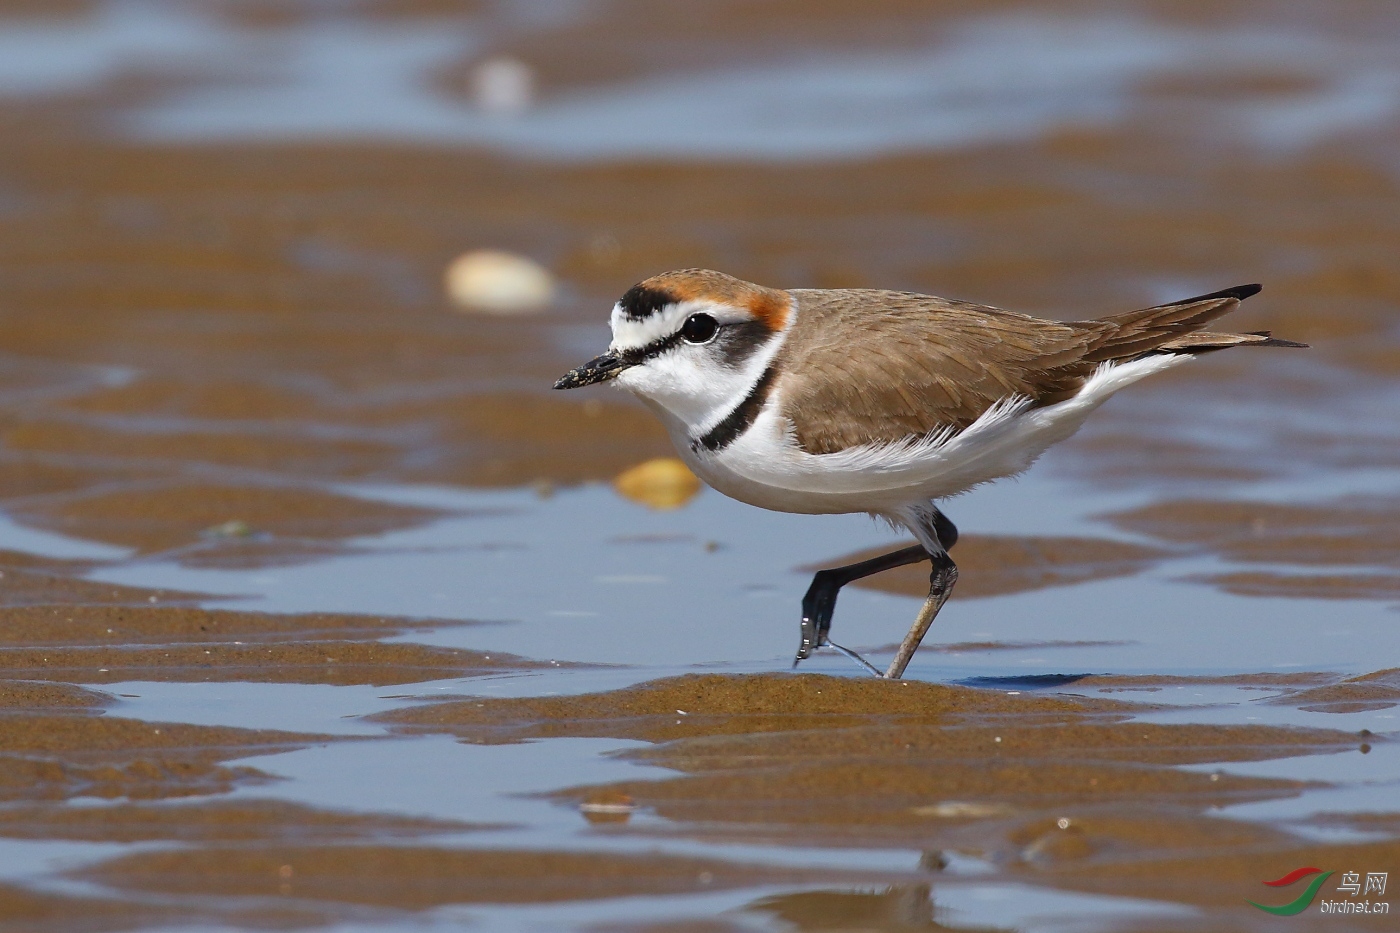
(692, 342)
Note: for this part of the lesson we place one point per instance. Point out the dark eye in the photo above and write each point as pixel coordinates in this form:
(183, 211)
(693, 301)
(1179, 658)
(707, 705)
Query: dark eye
(699, 328)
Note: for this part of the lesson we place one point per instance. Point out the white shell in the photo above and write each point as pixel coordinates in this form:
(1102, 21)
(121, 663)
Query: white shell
(497, 282)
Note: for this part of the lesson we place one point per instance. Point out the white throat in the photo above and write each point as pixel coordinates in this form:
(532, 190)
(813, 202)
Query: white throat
(686, 383)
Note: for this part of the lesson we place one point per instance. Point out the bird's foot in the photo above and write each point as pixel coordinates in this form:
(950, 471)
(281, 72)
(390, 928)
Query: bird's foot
(818, 606)
(810, 641)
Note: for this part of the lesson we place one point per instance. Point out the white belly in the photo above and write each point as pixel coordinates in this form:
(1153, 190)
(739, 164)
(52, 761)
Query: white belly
(766, 468)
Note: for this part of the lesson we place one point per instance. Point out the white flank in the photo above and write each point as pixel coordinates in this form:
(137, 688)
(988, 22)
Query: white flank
(765, 467)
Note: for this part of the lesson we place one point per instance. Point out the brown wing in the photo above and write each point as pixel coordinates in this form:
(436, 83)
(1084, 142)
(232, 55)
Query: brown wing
(869, 366)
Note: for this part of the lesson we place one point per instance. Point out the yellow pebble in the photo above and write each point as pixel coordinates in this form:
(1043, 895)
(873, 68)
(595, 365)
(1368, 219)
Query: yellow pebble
(663, 483)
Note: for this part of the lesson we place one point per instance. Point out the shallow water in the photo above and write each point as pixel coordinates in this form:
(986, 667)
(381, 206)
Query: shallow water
(320, 611)
(642, 588)
(342, 76)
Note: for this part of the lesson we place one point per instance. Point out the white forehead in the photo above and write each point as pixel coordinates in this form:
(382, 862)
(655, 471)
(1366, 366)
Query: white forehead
(630, 333)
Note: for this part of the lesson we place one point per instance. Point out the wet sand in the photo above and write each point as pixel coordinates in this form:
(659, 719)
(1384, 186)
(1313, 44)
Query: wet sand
(141, 636)
(56, 746)
(1379, 690)
(407, 878)
(50, 911)
(222, 821)
(833, 758)
(1054, 789)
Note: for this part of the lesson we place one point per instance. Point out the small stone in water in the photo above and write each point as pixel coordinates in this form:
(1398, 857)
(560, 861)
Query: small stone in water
(231, 529)
(503, 86)
(664, 483)
(959, 809)
(607, 807)
(497, 282)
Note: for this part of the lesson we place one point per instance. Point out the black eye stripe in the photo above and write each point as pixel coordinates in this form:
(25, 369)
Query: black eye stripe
(737, 341)
(741, 340)
(641, 354)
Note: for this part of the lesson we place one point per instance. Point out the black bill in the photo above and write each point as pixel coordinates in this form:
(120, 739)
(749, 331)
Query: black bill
(599, 369)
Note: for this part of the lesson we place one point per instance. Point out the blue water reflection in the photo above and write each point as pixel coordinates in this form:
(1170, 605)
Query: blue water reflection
(982, 79)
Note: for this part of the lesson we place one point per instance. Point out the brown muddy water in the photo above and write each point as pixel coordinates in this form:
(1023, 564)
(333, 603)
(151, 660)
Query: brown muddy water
(321, 611)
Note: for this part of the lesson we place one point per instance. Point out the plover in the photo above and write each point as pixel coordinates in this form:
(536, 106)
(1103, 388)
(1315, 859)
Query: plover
(824, 401)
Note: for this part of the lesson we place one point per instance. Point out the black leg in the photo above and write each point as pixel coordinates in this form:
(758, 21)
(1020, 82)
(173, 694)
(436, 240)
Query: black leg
(820, 602)
(946, 531)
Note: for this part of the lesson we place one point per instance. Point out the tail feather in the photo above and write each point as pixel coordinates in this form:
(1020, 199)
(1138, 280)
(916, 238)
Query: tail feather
(1176, 328)
(1204, 341)
(1238, 292)
(1271, 341)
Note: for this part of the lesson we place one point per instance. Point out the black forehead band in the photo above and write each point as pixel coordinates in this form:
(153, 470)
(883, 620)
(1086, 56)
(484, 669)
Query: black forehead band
(642, 302)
